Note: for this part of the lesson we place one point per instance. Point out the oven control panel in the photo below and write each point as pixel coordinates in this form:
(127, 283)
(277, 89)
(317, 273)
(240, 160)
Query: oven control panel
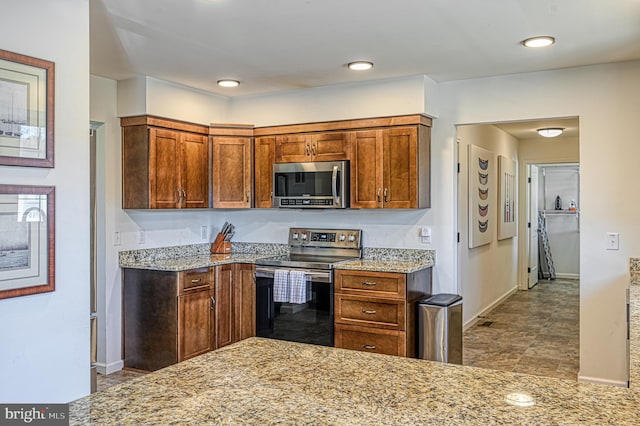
(339, 238)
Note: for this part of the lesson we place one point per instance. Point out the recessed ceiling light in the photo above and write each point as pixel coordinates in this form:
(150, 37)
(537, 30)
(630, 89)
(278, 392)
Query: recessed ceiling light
(550, 132)
(228, 83)
(360, 65)
(539, 41)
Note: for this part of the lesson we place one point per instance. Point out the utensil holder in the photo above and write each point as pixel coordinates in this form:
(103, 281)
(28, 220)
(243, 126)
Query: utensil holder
(220, 246)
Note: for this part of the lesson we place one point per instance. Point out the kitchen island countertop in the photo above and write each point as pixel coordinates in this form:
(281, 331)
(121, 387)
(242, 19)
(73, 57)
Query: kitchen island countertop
(263, 381)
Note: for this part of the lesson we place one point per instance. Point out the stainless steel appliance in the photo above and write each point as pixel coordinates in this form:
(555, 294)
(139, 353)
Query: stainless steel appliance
(321, 185)
(313, 253)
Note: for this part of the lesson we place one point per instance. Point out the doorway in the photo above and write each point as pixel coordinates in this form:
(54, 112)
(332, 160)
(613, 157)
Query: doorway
(490, 275)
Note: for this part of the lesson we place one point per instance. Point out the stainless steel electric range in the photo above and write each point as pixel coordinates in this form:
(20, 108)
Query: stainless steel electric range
(294, 292)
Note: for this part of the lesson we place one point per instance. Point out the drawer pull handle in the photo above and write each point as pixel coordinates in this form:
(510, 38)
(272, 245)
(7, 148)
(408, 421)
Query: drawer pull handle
(196, 281)
(369, 311)
(369, 347)
(369, 283)
(213, 303)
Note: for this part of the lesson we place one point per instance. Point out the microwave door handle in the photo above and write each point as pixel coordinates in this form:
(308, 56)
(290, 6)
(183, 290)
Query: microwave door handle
(334, 185)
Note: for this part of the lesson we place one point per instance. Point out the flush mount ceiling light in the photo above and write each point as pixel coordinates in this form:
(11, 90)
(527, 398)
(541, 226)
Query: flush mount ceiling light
(228, 83)
(360, 65)
(550, 132)
(539, 41)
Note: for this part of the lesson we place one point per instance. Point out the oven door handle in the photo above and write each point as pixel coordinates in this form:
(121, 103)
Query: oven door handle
(334, 185)
(321, 276)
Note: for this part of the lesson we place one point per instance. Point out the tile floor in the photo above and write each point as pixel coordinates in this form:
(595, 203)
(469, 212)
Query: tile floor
(535, 332)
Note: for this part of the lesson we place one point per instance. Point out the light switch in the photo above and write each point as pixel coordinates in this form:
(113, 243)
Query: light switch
(116, 238)
(141, 237)
(613, 241)
(203, 232)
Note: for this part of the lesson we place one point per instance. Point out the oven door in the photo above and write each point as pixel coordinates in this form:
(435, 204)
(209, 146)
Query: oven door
(310, 322)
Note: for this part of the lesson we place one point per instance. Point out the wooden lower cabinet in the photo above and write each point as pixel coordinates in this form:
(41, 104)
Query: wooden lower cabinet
(195, 323)
(376, 311)
(235, 303)
(168, 317)
(368, 339)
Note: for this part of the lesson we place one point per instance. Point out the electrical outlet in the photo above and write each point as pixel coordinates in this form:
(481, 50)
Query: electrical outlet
(425, 235)
(613, 241)
(116, 238)
(141, 237)
(203, 232)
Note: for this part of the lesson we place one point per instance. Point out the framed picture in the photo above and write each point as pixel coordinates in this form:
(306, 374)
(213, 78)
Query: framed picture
(481, 196)
(26, 110)
(507, 208)
(27, 240)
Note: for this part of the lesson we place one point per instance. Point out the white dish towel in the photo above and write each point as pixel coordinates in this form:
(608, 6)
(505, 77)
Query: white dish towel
(281, 288)
(298, 283)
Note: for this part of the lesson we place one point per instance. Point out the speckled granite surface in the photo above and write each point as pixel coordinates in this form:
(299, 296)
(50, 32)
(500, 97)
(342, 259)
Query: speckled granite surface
(391, 260)
(263, 382)
(181, 258)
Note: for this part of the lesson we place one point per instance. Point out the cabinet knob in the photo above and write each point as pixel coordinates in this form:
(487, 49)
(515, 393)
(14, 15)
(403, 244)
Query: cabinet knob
(379, 199)
(213, 303)
(307, 150)
(369, 311)
(313, 147)
(385, 195)
(369, 347)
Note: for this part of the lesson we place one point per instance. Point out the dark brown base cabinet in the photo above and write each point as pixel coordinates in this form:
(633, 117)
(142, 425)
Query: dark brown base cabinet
(168, 317)
(375, 311)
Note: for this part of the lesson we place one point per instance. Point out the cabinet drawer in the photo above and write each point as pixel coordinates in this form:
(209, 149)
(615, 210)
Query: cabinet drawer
(376, 284)
(194, 278)
(374, 340)
(369, 311)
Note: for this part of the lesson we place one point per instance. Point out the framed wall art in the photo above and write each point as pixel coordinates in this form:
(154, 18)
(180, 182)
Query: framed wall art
(26, 110)
(481, 196)
(27, 240)
(507, 191)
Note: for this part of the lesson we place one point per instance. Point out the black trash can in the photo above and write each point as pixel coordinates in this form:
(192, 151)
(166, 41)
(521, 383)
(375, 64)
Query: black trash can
(439, 328)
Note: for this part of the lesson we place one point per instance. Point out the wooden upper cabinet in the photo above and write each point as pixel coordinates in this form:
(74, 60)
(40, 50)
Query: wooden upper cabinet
(164, 164)
(333, 146)
(264, 157)
(390, 168)
(194, 170)
(330, 146)
(232, 172)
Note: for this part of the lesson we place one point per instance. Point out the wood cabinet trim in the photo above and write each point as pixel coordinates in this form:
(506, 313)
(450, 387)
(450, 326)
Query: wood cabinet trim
(167, 123)
(345, 125)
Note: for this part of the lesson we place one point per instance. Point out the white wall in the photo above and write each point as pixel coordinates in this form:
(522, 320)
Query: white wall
(604, 97)
(488, 273)
(44, 354)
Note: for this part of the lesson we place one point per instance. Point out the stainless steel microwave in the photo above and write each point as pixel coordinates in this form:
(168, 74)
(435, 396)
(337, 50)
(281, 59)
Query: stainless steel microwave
(317, 185)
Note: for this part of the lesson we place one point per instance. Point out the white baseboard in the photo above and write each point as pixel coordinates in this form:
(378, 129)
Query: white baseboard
(488, 309)
(568, 276)
(599, 381)
(103, 368)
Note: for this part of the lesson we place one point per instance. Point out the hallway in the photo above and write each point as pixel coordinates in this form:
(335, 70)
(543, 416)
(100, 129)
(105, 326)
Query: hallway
(534, 332)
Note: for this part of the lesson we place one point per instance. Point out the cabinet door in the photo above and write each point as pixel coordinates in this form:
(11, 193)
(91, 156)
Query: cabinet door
(163, 168)
(330, 146)
(400, 167)
(264, 156)
(293, 148)
(232, 172)
(195, 323)
(244, 301)
(224, 305)
(194, 170)
(366, 169)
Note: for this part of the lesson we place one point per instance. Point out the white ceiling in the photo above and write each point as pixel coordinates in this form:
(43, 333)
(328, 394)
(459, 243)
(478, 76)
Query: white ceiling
(277, 45)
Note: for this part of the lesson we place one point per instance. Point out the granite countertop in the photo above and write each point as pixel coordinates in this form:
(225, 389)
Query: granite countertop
(405, 267)
(191, 262)
(263, 381)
